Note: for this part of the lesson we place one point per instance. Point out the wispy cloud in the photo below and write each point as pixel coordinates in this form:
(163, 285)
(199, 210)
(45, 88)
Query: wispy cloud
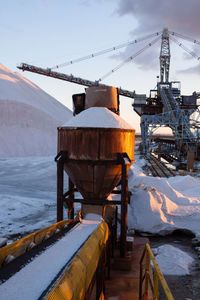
(192, 70)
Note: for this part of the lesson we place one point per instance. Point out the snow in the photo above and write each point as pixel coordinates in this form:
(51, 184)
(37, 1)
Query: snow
(158, 205)
(99, 117)
(29, 117)
(161, 205)
(3, 242)
(27, 194)
(95, 217)
(47, 265)
(173, 261)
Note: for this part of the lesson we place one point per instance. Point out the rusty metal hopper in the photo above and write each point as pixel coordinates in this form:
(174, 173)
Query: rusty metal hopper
(92, 158)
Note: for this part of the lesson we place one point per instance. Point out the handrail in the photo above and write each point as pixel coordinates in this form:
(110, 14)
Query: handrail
(157, 276)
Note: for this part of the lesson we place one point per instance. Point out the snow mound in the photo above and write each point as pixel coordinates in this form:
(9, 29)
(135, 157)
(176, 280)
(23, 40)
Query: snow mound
(99, 117)
(29, 117)
(162, 205)
(173, 261)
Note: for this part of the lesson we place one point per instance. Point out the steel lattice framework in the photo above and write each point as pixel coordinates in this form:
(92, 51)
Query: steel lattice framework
(164, 57)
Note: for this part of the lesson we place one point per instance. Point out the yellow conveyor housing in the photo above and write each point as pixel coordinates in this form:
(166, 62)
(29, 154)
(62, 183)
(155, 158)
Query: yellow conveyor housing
(76, 279)
(21, 246)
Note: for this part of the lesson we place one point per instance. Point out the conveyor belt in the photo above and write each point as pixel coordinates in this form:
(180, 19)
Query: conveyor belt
(36, 278)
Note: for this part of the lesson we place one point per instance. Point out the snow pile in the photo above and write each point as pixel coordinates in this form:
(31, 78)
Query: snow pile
(161, 205)
(99, 117)
(29, 117)
(173, 261)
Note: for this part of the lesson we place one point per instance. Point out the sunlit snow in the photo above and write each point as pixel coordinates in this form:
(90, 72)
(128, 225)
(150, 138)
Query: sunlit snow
(162, 205)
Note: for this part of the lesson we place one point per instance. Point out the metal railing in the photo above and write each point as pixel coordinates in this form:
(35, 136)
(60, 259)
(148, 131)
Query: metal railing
(149, 281)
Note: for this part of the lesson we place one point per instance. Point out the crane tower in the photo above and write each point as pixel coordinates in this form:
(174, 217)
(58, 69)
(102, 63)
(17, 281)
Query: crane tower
(164, 56)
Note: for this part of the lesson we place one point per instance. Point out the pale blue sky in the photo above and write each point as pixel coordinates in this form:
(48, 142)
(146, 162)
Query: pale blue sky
(50, 32)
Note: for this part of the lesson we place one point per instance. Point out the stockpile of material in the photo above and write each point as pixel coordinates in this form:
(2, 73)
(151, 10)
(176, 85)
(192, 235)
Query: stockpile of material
(29, 117)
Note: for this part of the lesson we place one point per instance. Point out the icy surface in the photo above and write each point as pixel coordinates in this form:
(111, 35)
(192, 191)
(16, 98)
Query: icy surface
(100, 117)
(29, 117)
(173, 261)
(35, 277)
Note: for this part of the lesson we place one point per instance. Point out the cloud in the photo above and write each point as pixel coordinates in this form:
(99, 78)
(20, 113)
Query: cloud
(192, 70)
(85, 2)
(149, 58)
(151, 15)
(181, 16)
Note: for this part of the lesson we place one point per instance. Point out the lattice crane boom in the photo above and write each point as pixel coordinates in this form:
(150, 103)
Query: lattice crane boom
(70, 78)
(164, 57)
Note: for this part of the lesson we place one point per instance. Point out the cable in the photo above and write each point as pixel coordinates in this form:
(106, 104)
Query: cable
(185, 48)
(104, 51)
(128, 59)
(184, 37)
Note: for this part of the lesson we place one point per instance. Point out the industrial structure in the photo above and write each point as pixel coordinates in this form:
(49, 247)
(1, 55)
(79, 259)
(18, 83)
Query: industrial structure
(73, 257)
(165, 107)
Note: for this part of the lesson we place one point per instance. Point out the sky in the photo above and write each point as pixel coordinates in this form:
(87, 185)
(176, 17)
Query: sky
(46, 33)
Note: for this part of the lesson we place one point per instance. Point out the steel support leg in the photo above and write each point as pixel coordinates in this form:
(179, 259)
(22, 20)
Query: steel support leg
(124, 206)
(60, 184)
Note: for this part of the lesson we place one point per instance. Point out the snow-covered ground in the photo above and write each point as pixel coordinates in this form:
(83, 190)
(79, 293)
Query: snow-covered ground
(27, 194)
(158, 205)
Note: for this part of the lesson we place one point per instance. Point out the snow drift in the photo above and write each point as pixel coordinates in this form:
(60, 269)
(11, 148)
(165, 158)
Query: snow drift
(29, 117)
(162, 205)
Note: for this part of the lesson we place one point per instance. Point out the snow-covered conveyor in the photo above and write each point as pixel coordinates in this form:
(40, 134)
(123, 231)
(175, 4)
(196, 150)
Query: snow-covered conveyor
(70, 262)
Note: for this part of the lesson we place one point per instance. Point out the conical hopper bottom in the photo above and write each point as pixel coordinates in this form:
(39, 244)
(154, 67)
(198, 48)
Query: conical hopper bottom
(95, 181)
